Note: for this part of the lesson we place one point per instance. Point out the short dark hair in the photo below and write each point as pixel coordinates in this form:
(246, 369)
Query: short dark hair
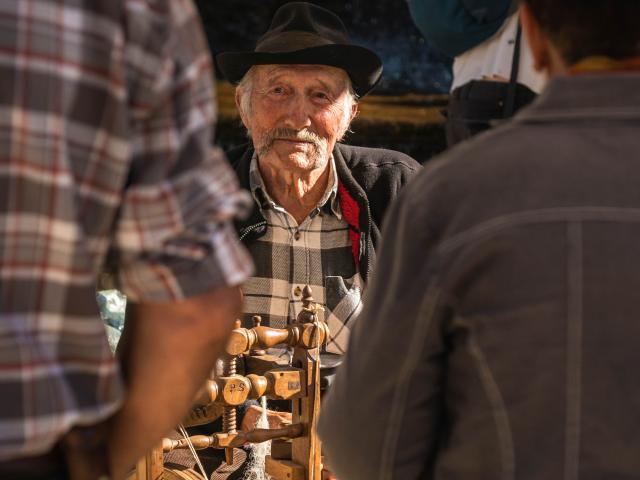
(583, 28)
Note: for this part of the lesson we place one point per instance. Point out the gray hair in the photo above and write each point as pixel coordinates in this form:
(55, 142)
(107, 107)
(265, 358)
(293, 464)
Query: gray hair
(245, 87)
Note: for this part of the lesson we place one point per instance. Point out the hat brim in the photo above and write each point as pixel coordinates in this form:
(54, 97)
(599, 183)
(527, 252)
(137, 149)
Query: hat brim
(362, 65)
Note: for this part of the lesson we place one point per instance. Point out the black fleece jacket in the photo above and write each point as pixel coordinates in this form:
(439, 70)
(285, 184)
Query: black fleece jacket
(368, 177)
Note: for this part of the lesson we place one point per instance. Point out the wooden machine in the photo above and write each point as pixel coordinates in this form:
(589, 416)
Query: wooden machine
(296, 452)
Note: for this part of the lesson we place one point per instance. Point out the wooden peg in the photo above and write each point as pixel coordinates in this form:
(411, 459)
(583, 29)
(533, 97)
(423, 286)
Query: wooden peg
(257, 352)
(310, 308)
(259, 386)
(307, 295)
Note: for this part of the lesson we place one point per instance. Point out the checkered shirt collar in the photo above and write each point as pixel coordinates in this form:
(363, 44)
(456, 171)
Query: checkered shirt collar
(329, 201)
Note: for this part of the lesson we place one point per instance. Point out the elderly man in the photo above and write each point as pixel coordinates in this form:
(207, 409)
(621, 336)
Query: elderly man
(319, 203)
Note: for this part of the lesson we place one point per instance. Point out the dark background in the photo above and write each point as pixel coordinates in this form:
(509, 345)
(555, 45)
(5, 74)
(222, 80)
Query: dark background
(410, 65)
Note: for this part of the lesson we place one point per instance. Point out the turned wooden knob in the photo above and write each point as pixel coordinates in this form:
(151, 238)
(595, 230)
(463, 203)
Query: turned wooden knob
(307, 295)
(313, 334)
(259, 386)
(257, 352)
(233, 390)
(207, 394)
(240, 341)
(309, 312)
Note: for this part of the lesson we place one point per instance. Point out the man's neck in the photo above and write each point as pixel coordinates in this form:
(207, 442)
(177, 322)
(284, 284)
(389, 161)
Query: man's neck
(297, 192)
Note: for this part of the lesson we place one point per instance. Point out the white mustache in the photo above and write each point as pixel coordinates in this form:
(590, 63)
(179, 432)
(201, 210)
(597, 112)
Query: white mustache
(290, 134)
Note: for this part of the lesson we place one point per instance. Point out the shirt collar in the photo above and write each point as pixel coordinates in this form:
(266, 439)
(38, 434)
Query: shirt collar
(328, 203)
(601, 97)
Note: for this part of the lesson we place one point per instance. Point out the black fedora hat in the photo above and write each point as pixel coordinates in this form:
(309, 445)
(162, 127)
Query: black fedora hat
(306, 34)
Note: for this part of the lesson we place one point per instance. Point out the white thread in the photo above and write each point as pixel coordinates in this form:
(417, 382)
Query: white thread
(184, 433)
(256, 469)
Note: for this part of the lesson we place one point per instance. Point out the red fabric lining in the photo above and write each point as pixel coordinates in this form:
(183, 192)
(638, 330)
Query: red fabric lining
(351, 213)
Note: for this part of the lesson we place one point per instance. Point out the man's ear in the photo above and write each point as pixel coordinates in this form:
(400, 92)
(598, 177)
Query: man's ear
(354, 111)
(242, 114)
(546, 56)
(538, 43)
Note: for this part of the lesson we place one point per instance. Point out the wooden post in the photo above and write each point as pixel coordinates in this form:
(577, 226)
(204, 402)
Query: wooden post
(149, 467)
(306, 450)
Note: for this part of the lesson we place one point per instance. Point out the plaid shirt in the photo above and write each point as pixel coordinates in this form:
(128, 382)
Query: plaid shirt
(318, 253)
(106, 110)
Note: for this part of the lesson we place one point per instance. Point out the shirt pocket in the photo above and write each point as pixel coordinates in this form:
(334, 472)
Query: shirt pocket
(343, 303)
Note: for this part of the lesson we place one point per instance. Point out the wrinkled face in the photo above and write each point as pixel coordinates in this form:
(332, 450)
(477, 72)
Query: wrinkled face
(296, 113)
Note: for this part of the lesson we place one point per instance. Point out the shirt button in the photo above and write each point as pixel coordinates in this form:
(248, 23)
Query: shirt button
(297, 291)
(297, 235)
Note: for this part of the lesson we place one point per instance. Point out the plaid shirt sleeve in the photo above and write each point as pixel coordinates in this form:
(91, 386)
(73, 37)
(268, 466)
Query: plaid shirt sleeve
(105, 124)
(174, 238)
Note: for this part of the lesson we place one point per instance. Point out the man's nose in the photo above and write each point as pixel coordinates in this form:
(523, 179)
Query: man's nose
(298, 114)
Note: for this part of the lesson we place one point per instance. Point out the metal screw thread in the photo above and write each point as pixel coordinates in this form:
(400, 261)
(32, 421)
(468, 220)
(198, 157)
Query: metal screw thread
(230, 366)
(229, 420)
(229, 415)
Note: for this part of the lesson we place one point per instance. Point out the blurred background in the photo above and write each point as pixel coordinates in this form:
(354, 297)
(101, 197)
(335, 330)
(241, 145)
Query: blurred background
(402, 112)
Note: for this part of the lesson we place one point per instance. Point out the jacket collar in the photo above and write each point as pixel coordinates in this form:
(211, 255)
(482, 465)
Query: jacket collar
(242, 168)
(599, 96)
(365, 255)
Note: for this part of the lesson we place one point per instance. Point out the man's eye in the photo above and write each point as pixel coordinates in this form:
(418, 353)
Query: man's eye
(277, 90)
(321, 96)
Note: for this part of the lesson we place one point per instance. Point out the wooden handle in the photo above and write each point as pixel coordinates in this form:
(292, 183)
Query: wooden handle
(242, 339)
(270, 337)
(306, 335)
(200, 442)
(260, 435)
(225, 440)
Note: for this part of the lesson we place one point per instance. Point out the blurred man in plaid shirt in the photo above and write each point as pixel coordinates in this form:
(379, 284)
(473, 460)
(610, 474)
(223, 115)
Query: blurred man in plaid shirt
(106, 109)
